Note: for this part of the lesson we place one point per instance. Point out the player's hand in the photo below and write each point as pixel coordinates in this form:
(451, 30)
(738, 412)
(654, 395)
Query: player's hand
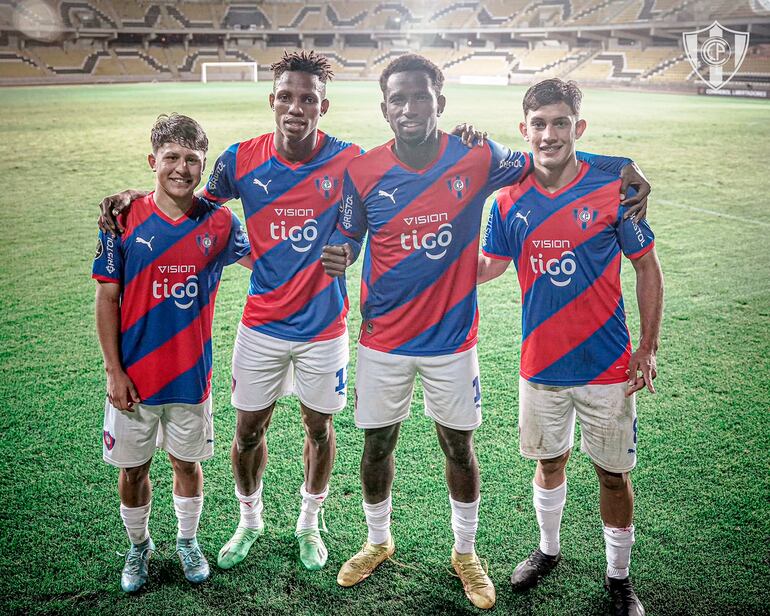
(336, 259)
(642, 370)
(636, 206)
(121, 391)
(469, 135)
(111, 207)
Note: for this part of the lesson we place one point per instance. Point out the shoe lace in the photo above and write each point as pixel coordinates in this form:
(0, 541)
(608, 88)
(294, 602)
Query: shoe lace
(474, 573)
(191, 556)
(135, 558)
(368, 555)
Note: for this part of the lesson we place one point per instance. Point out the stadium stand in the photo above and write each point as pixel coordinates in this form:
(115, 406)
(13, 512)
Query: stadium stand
(635, 43)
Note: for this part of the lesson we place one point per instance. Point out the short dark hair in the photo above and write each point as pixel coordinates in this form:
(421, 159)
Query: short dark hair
(553, 91)
(305, 62)
(181, 129)
(413, 62)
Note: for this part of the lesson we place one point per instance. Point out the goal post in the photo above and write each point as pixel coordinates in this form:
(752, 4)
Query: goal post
(228, 71)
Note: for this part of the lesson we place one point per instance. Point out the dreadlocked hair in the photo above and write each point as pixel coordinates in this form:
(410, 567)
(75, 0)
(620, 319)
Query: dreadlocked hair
(305, 62)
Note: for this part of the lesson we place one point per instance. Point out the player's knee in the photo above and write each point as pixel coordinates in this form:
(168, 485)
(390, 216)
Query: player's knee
(249, 434)
(187, 469)
(136, 475)
(553, 466)
(377, 448)
(461, 453)
(612, 481)
(320, 435)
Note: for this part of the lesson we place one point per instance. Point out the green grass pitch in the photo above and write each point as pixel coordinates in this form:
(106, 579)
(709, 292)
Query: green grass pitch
(701, 483)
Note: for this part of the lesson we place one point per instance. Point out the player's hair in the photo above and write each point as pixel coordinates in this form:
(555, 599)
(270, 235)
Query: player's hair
(305, 62)
(553, 91)
(413, 62)
(178, 128)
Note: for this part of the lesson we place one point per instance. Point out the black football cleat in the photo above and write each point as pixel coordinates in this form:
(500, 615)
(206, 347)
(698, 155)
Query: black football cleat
(530, 571)
(624, 599)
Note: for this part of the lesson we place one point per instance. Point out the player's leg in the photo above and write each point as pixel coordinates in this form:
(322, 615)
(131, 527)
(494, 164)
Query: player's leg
(609, 436)
(452, 393)
(129, 444)
(320, 382)
(187, 435)
(384, 386)
(546, 434)
(261, 371)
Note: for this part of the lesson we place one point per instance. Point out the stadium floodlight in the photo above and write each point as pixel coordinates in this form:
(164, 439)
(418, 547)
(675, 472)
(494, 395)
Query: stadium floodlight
(228, 71)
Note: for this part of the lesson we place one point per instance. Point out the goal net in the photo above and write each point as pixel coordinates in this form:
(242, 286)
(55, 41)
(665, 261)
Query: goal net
(228, 71)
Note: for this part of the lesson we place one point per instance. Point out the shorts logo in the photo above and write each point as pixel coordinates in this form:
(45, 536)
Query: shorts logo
(457, 185)
(109, 440)
(584, 217)
(326, 185)
(99, 248)
(206, 242)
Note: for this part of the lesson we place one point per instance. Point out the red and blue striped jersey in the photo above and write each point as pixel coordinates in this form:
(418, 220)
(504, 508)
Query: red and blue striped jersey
(169, 272)
(290, 210)
(418, 291)
(566, 247)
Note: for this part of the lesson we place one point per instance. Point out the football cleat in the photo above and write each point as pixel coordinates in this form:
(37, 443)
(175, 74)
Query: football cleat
(194, 563)
(363, 563)
(624, 599)
(235, 550)
(135, 571)
(531, 570)
(476, 583)
(312, 551)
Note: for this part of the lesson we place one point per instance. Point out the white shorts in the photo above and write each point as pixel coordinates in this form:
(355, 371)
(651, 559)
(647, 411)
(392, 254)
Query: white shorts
(608, 431)
(130, 438)
(266, 368)
(385, 383)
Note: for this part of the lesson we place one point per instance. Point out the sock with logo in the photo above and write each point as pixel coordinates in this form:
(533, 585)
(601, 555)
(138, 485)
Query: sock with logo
(311, 504)
(251, 508)
(617, 543)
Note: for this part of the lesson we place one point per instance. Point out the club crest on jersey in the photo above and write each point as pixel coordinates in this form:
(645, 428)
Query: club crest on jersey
(584, 217)
(326, 185)
(109, 440)
(457, 185)
(206, 242)
(99, 248)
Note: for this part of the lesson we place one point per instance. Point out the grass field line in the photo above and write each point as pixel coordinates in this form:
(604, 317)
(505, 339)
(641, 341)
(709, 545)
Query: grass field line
(752, 221)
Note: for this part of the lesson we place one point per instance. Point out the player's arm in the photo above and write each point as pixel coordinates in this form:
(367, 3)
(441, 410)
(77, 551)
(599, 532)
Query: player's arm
(345, 243)
(649, 295)
(120, 389)
(246, 262)
(631, 176)
(111, 207)
(490, 268)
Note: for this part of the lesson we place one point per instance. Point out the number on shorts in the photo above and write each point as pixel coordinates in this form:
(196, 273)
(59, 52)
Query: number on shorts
(341, 382)
(477, 389)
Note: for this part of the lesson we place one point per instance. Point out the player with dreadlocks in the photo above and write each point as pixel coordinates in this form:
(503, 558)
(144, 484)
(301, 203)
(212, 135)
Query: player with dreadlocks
(293, 334)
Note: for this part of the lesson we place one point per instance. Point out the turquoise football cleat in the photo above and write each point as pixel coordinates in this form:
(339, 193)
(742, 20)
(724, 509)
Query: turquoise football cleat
(194, 563)
(312, 551)
(235, 550)
(135, 571)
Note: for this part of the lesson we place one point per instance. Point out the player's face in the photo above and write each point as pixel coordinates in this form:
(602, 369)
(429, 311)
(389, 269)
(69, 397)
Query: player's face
(178, 168)
(412, 107)
(298, 101)
(552, 132)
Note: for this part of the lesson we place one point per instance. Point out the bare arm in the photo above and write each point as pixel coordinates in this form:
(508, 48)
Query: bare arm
(120, 390)
(336, 259)
(489, 268)
(649, 296)
(246, 262)
(111, 207)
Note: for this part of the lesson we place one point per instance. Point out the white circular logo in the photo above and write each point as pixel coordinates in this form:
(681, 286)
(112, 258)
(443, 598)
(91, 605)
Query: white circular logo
(585, 216)
(716, 51)
(458, 185)
(326, 184)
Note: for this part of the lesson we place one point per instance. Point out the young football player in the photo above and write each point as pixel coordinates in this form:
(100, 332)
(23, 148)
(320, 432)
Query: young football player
(156, 287)
(564, 230)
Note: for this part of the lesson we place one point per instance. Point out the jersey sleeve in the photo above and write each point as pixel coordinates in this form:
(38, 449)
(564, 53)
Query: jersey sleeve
(609, 164)
(237, 244)
(351, 218)
(108, 260)
(506, 167)
(496, 244)
(635, 238)
(221, 186)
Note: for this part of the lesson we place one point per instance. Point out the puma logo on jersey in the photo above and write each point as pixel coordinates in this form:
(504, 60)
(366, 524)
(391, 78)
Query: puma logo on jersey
(524, 217)
(382, 193)
(258, 182)
(148, 243)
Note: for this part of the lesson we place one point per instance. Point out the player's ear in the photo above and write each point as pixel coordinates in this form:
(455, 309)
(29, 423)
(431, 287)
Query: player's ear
(203, 165)
(324, 106)
(441, 103)
(271, 98)
(384, 109)
(523, 130)
(580, 128)
(152, 161)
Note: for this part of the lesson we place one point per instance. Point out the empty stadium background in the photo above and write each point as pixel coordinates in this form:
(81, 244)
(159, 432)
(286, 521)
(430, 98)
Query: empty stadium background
(625, 43)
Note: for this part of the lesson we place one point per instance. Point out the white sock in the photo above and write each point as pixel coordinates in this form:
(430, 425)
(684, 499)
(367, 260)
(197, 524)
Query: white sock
(251, 508)
(549, 505)
(618, 542)
(188, 514)
(465, 522)
(135, 520)
(311, 504)
(378, 520)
